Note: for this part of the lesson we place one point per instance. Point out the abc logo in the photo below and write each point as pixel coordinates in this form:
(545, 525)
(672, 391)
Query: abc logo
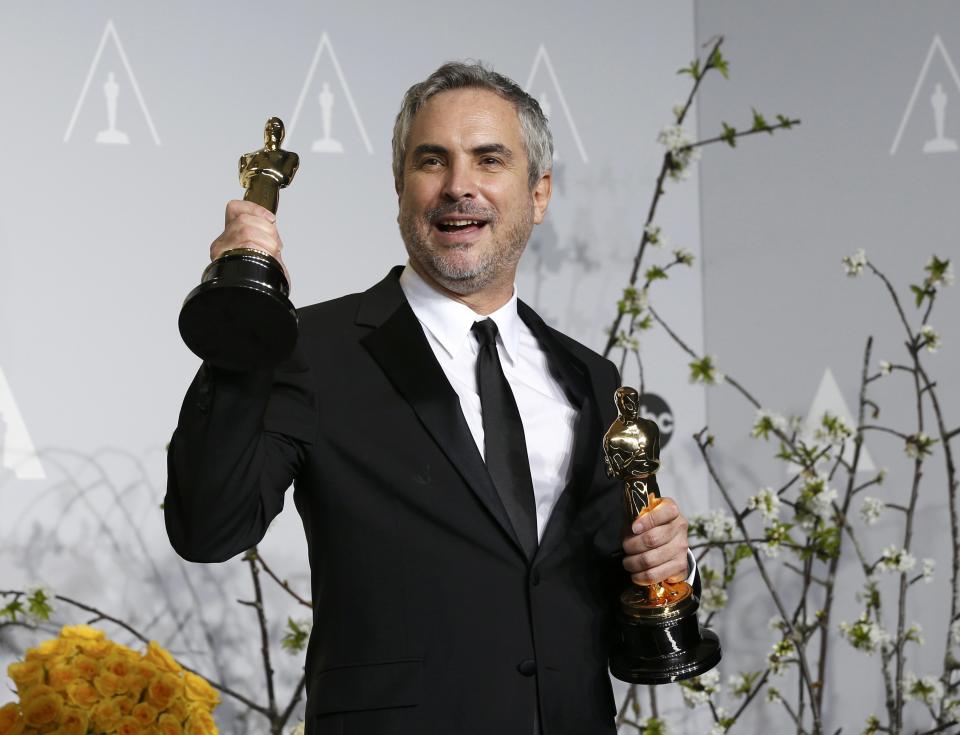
(654, 408)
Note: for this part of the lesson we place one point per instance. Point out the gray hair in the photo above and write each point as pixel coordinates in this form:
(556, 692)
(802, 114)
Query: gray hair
(537, 141)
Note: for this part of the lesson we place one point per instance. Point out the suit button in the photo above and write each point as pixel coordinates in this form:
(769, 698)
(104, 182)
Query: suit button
(527, 667)
(535, 578)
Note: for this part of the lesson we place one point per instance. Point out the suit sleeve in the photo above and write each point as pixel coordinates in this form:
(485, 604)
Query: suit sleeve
(239, 443)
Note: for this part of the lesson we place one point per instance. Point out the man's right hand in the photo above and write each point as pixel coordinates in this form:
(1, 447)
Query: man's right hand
(248, 225)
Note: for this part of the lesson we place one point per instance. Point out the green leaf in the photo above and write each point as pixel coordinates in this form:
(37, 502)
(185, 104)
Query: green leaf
(296, 637)
(922, 292)
(759, 122)
(729, 135)
(13, 609)
(655, 273)
(693, 70)
(785, 122)
(719, 63)
(39, 605)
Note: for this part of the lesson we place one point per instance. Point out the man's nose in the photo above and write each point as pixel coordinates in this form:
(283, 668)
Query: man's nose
(460, 182)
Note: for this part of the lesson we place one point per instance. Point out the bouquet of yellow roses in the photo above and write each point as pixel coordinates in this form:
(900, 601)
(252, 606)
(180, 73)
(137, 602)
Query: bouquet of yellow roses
(81, 683)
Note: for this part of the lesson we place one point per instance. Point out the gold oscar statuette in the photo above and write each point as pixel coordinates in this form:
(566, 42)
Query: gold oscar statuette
(658, 638)
(240, 316)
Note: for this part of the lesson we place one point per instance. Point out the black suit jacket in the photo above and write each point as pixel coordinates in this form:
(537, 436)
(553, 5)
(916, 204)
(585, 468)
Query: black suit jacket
(428, 617)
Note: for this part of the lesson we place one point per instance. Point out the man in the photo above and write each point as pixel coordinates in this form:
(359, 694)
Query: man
(456, 590)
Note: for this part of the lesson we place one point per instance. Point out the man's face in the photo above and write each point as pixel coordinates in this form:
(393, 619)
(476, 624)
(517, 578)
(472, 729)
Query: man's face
(466, 208)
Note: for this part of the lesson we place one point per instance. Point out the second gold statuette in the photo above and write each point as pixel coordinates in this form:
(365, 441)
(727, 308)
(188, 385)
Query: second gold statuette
(658, 637)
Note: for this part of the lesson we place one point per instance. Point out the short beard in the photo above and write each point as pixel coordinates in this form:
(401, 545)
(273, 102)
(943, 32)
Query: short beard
(459, 280)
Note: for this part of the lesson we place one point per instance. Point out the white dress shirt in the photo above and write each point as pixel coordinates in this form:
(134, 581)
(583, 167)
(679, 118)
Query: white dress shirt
(547, 415)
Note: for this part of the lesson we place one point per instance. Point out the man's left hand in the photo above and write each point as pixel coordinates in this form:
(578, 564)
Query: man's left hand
(656, 550)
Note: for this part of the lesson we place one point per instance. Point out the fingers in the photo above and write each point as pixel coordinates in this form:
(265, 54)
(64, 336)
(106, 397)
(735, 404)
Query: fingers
(248, 225)
(664, 512)
(657, 549)
(236, 207)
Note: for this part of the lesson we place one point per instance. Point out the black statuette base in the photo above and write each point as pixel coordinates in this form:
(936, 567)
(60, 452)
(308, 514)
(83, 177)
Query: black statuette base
(239, 317)
(660, 650)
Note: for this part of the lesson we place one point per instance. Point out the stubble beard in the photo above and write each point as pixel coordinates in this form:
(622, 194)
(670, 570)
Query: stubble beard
(499, 260)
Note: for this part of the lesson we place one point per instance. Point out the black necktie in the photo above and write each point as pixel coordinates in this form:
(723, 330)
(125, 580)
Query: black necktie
(505, 448)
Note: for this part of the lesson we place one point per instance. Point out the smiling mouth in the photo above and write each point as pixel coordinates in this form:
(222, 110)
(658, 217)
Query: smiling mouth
(460, 225)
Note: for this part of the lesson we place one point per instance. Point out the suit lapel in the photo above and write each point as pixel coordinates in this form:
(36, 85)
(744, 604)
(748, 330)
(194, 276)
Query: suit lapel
(400, 347)
(579, 384)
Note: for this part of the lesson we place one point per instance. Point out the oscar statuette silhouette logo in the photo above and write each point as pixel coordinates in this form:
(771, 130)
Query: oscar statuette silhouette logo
(240, 316)
(658, 638)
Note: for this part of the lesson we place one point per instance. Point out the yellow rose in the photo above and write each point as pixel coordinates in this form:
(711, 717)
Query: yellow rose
(163, 689)
(87, 667)
(169, 725)
(26, 674)
(198, 689)
(83, 632)
(60, 675)
(162, 659)
(118, 664)
(145, 713)
(95, 649)
(178, 708)
(11, 719)
(106, 716)
(74, 721)
(82, 694)
(135, 684)
(42, 710)
(201, 723)
(129, 726)
(47, 650)
(108, 684)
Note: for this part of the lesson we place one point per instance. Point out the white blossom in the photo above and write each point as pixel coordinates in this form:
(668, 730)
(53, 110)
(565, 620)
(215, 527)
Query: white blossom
(918, 445)
(699, 690)
(927, 689)
(955, 632)
(931, 339)
(770, 549)
(741, 684)
(678, 110)
(927, 569)
(779, 655)
(864, 634)
(718, 525)
(914, 633)
(854, 263)
(822, 504)
(767, 422)
(654, 235)
(871, 510)
(885, 367)
(683, 256)
(713, 598)
(767, 502)
(939, 276)
(719, 728)
(677, 143)
(895, 559)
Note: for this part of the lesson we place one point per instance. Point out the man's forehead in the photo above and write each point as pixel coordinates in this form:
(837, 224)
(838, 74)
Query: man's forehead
(462, 110)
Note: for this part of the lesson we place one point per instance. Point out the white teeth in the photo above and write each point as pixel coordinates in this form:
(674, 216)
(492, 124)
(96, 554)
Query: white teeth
(462, 222)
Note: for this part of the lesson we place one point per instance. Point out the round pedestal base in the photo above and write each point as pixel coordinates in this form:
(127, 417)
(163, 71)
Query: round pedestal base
(661, 645)
(239, 317)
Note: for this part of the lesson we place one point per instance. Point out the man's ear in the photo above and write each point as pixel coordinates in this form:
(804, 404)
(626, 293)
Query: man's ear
(541, 196)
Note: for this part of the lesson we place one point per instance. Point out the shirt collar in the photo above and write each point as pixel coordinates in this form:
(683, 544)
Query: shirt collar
(450, 321)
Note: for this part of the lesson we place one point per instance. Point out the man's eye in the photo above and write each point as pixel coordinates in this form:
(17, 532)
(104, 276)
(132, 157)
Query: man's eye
(490, 161)
(430, 162)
